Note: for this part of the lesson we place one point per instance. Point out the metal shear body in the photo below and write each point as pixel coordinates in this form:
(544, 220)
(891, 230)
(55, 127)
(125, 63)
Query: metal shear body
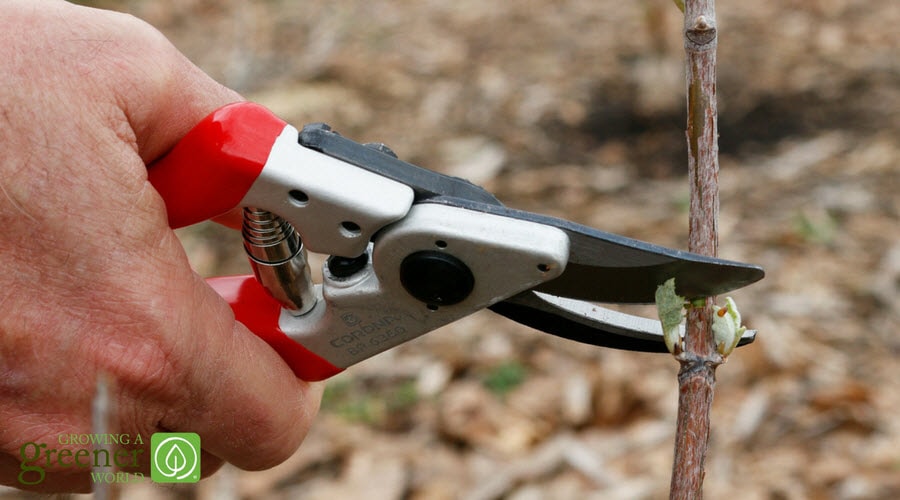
(410, 249)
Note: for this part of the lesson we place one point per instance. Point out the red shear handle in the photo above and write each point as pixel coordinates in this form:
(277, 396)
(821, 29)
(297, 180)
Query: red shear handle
(207, 174)
(259, 312)
(211, 169)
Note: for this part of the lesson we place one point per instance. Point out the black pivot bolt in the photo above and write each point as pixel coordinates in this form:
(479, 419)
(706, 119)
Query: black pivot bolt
(344, 267)
(436, 278)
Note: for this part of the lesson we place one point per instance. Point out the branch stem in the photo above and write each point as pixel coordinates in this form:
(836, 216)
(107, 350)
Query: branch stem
(697, 374)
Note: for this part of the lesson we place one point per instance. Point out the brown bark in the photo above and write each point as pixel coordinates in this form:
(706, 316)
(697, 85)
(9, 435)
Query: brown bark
(697, 375)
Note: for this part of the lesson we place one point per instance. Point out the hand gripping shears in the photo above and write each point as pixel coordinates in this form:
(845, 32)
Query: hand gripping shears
(410, 249)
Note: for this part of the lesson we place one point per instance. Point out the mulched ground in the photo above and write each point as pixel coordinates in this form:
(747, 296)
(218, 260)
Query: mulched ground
(575, 109)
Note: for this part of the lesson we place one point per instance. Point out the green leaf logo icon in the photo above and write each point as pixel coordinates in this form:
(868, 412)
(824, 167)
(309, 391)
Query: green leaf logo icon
(175, 457)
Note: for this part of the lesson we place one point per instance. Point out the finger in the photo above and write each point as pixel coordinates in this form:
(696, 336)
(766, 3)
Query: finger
(254, 413)
(190, 367)
(246, 404)
(209, 464)
(36, 477)
(162, 94)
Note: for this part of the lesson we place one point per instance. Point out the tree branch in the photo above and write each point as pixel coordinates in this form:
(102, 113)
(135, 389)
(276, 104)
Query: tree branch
(697, 375)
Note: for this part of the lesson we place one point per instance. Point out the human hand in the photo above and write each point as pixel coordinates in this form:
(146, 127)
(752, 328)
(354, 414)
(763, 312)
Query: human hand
(92, 280)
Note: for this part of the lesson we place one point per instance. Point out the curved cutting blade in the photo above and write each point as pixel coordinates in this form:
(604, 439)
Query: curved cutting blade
(606, 267)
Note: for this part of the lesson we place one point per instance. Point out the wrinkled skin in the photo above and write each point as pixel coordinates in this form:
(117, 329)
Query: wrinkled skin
(92, 280)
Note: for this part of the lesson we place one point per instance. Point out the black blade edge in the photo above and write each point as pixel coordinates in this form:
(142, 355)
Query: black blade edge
(548, 322)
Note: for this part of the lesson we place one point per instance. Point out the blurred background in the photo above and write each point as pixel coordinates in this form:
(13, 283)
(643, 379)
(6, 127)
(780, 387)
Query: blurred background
(575, 108)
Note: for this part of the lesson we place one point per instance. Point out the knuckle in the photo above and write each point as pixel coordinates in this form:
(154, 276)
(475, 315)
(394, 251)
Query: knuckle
(270, 434)
(271, 439)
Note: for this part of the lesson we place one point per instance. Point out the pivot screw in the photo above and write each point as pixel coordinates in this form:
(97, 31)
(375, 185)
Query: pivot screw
(344, 267)
(436, 278)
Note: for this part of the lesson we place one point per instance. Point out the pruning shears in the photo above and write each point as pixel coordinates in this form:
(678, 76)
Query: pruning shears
(409, 249)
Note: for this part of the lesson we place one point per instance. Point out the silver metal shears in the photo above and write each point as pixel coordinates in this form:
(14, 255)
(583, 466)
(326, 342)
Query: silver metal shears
(410, 250)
